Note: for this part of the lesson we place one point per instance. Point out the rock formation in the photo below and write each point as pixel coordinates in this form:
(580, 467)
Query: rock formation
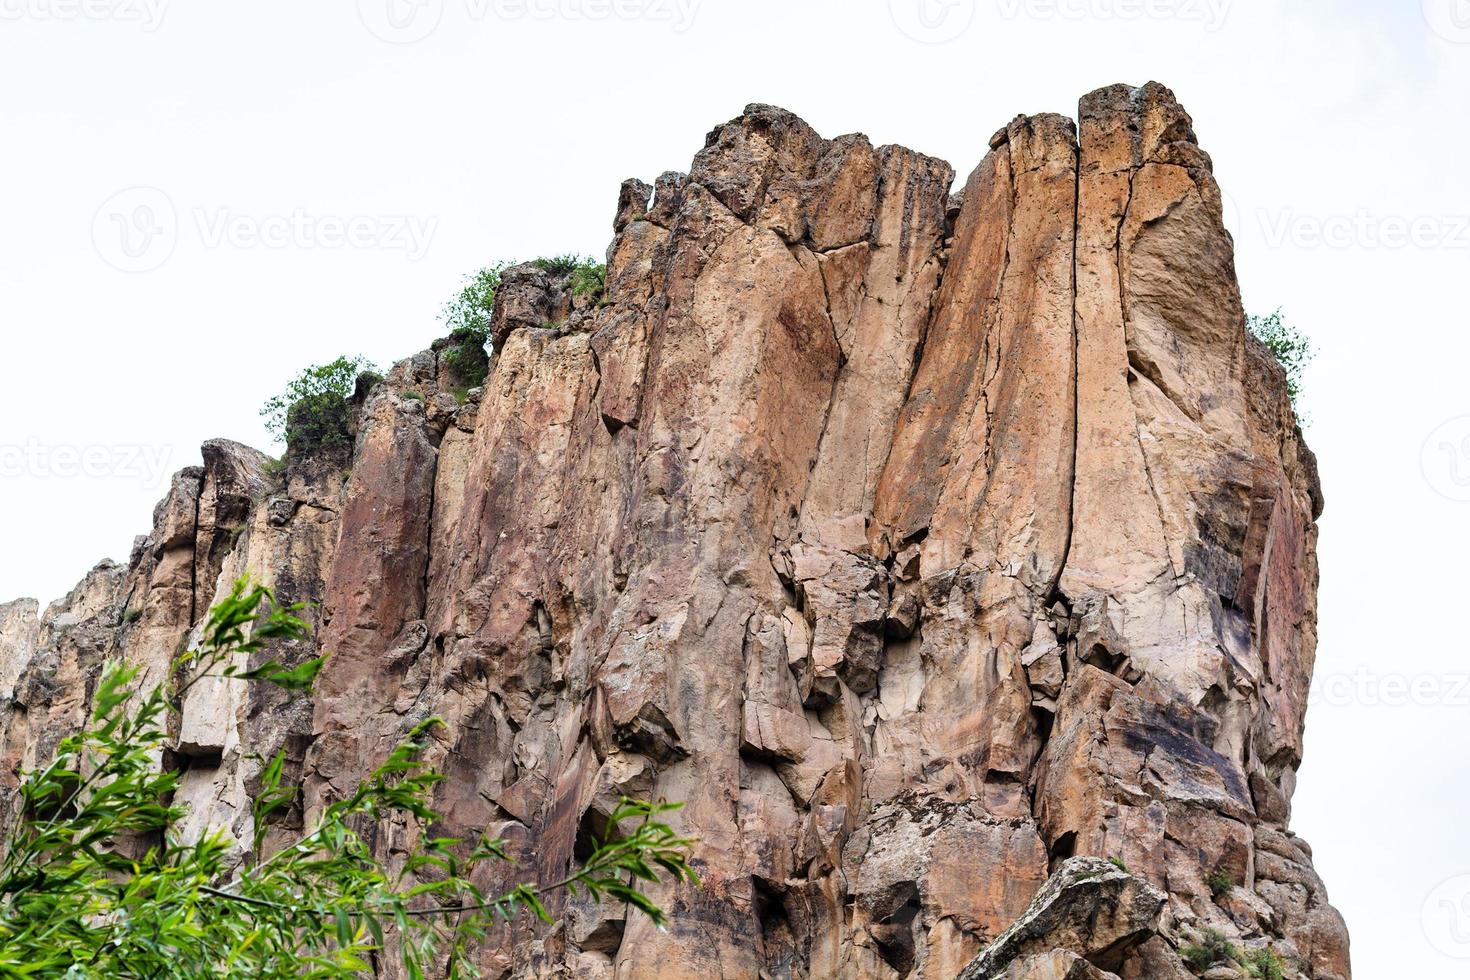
(923, 544)
(1089, 907)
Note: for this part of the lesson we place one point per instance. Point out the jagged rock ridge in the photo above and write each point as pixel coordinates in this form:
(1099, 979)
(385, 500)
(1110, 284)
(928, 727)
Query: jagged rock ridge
(919, 543)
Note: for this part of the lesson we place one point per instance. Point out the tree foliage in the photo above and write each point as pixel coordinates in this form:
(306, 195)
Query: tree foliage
(312, 412)
(96, 882)
(589, 279)
(469, 310)
(1290, 346)
(467, 314)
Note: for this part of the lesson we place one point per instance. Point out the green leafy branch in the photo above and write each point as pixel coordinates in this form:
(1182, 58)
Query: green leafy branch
(95, 880)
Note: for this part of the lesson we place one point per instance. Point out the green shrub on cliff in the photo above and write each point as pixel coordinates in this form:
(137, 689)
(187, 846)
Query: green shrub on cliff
(312, 412)
(468, 358)
(97, 881)
(560, 265)
(587, 276)
(1291, 347)
(1261, 963)
(467, 316)
(1212, 948)
(470, 308)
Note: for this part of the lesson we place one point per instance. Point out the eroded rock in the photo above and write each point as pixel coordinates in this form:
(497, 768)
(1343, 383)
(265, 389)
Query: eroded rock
(922, 544)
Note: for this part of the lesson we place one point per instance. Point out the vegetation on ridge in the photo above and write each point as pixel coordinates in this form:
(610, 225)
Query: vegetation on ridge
(587, 275)
(1290, 346)
(311, 413)
(467, 314)
(1261, 963)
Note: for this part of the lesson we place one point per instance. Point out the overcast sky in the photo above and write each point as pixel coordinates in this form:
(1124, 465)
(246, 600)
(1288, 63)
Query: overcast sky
(198, 198)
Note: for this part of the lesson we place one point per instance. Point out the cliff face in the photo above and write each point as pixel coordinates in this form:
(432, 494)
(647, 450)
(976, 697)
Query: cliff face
(919, 543)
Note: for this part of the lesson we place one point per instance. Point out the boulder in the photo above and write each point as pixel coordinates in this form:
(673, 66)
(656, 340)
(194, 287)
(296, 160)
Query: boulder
(1090, 908)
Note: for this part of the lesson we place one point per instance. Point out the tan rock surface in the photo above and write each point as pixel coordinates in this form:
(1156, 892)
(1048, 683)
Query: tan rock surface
(919, 543)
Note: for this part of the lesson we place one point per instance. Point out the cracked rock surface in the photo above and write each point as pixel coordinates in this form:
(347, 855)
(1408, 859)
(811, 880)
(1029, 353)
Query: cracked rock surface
(925, 546)
(1090, 910)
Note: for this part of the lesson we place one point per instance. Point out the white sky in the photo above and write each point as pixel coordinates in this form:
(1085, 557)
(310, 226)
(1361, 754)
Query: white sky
(504, 131)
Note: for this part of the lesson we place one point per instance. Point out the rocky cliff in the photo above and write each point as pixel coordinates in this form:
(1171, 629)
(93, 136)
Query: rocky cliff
(919, 541)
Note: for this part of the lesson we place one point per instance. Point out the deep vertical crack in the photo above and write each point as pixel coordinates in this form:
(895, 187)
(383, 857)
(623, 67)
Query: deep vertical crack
(194, 559)
(1076, 360)
(991, 318)
(832, 394)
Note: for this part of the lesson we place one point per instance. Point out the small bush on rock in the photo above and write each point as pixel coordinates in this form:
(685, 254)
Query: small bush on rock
(587, 276)
(1291, 347)
(467, 316)
(1262, 963)
(312, 414)
(469, 310)
(1220, 883)
(559, 265)
(1212, 948)
(589, 279)
(468, 358)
